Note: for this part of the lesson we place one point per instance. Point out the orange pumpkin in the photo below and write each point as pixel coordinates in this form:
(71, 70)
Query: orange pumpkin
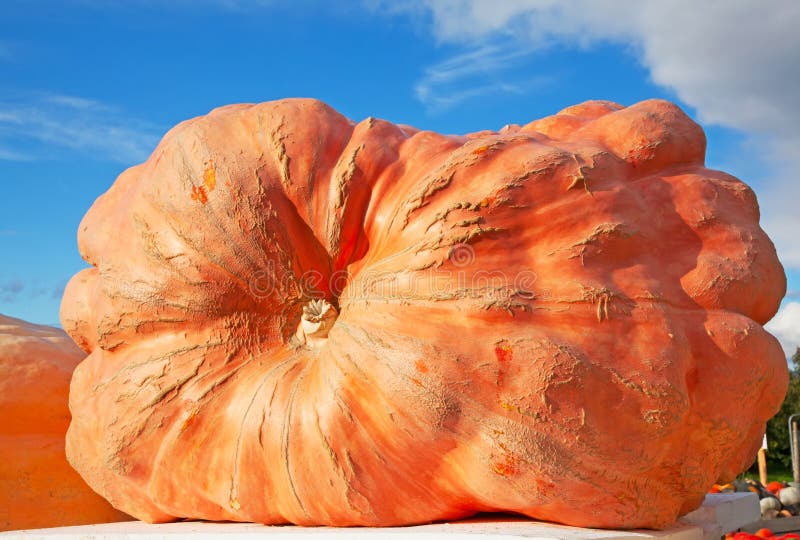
(774, 487)
(291, 317)
(38, 488)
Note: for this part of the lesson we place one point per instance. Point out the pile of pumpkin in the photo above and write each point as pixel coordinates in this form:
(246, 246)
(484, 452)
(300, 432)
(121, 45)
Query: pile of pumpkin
(777, 499)
(760, 535)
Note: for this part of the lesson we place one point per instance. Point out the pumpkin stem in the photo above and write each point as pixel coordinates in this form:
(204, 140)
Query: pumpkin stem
(317, 320)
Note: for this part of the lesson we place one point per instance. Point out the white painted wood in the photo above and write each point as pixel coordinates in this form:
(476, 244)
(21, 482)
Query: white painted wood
(720, 514)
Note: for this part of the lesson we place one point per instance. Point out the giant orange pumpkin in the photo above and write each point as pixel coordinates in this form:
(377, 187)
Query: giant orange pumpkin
(38, 488)
(291, 317)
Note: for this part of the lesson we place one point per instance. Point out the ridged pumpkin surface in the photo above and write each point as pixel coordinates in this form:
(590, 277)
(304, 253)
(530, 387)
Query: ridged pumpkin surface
(38, 488)
(539, 320)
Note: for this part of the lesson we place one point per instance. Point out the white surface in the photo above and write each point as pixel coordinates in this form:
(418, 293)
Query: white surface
(728, 510)
(724, 512)
(503, 529)
(719, 514)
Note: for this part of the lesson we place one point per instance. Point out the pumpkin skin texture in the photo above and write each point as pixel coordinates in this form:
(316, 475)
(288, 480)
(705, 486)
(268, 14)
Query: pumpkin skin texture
(38, 488)
(535, 320)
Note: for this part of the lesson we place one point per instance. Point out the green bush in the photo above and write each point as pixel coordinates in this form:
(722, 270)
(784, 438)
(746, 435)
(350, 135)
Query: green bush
(778, 452)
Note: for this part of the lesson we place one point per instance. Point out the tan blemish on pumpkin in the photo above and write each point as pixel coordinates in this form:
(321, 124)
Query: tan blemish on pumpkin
(579, 179)
(544, 485)
(192, 414)
(600, 235)
(602, 302)
(340, 194)
(465, 205)
(355, 500)
(600, 297)
(286, 439)
(441, 178)
(278, 141)
(493, 200)
(421, 367)
(433, 186)
(506, 466)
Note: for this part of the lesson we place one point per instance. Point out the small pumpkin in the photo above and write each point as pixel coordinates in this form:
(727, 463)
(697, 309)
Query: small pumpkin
(775, 486)
(789, 496)
(38, 488)
(769, 503)
(294, 318)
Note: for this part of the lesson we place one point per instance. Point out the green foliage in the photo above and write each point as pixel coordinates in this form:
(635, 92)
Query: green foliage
(775, 471)
(777, 428)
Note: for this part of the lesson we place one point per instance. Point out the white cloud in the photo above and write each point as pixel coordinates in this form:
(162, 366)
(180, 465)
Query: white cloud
(78, 103)
(540, 22)
(482, 60)
(471, 74)
(41, 124)
(786, 327)
(733, 61)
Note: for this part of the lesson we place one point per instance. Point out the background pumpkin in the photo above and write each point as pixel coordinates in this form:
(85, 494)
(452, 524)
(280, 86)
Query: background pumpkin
(534, 321)
(38, 488)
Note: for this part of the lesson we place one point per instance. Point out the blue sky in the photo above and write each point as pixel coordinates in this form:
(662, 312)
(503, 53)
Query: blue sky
(88, 87)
